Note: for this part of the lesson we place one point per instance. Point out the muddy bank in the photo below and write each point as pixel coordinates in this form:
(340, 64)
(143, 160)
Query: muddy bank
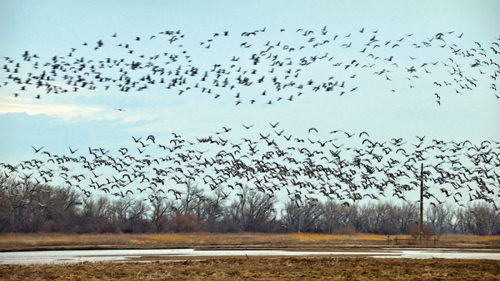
(264, 268)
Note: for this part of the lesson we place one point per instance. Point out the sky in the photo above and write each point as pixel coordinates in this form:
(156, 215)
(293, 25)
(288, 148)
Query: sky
(91, 118)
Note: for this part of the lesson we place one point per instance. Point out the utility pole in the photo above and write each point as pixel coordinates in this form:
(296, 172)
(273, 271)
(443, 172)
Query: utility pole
(421, 201)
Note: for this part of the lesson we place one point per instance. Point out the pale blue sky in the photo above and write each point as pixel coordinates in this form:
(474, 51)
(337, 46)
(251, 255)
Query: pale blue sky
(53, 27)
(88, 118)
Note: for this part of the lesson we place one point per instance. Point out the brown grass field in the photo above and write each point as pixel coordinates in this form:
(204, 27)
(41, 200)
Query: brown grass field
(252, 267)
(291, 241)
(264, 268)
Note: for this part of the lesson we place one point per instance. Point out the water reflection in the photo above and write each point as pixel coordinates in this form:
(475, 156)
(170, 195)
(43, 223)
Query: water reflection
(77, 256)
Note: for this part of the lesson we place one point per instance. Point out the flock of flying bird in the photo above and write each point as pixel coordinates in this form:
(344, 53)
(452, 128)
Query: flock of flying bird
(339, 165)
(261, 66)
(268, 67)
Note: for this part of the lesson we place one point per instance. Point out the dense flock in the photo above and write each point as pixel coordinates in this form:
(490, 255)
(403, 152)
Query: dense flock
(265, 66)
(343, 166)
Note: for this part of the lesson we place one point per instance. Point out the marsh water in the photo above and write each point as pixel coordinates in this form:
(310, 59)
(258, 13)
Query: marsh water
(145, 255)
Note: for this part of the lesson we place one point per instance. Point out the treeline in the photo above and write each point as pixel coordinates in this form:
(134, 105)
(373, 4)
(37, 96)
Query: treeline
(29, 207)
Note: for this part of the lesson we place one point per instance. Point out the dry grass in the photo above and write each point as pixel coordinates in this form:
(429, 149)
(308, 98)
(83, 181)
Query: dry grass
(264, 268)
(251, 268)
(39, 241)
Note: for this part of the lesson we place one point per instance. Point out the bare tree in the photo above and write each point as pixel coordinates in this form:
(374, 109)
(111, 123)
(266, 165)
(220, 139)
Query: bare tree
(94, 215)
(439, 218)
(118, 210)
(254, 211)
(408, 215)
(28, 206)
(161, 208)
(480, 219)
(301, 217)
(191, 199)
(212, 211)
(136, 217)
(337, 217)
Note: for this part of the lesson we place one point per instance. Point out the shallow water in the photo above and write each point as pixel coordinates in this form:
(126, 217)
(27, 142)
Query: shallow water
(55, 257)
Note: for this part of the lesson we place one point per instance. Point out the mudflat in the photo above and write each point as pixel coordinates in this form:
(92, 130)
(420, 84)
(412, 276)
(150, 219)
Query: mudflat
(263, 268)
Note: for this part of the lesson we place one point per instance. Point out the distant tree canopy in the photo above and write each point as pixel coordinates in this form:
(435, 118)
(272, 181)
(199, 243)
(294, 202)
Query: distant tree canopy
(30, 207)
